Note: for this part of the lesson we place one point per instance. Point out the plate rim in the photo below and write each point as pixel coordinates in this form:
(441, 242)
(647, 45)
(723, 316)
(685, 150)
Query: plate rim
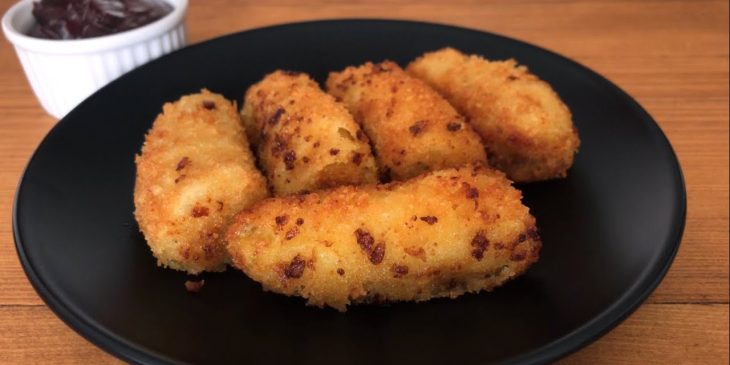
(605, 321)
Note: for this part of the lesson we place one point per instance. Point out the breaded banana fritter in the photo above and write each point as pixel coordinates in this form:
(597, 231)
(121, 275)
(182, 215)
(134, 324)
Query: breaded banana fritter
(441, 234)
(194, 173)
(528, 131)
(304, 138)
(412, 127)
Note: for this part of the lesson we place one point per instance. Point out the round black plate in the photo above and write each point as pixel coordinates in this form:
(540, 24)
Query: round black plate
(610, 229)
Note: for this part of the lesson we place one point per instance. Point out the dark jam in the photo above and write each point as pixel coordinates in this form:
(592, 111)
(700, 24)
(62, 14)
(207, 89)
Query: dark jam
(76, 19)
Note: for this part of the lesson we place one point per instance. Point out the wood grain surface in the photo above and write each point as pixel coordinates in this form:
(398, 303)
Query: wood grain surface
(672, 56)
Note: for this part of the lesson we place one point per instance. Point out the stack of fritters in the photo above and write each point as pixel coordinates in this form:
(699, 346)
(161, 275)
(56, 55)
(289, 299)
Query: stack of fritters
(333, 233)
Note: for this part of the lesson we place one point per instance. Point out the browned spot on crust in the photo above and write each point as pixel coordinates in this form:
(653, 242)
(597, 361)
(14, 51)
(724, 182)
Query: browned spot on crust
(357, 158)
(334, 151)
(291, 233)
(376, 256)
(360, 135)
(183, 162)
(416, 252)
(209, 104)
(295, 269)
(417, 127)
(300, 221)
(479, 244)
(316, 144)
(177, 179)
(279, 145)
(532, 233)
(276, 116)
(517, 256)
(399, 271)
(340, 271)
(378, 67)
(364, 239)
(471, 192)
(289, 158)
(512, 77)
(430, 219)
(220, 205)
(305, 159)
(194, 286)
(199, 211)
(281, 220)
(211, 235)
(453, 126)
(521, 238)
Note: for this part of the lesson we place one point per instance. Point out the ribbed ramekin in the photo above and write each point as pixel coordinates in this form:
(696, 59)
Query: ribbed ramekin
(63, 73)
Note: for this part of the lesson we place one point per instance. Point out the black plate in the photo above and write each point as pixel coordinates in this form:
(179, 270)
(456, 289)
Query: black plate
(610, 229)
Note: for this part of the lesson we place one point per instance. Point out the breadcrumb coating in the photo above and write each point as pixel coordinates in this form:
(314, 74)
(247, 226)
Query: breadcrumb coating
(304, 138)
(413, 128)
(527, 130)
(440, 234)
(194, 173)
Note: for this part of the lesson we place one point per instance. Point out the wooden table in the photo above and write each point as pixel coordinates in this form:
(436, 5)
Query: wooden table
(672, 56)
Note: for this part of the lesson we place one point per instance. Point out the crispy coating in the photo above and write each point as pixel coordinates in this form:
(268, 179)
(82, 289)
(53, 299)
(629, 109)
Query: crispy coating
(304, 138)
(194, 173)
(528, 131)
(441, 234)
(412, 127)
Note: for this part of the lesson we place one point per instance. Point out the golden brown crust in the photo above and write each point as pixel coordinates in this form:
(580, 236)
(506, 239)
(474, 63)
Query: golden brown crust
(304, 138)
(441, 234)
(412, 127)
(194, 173)
(527, 129)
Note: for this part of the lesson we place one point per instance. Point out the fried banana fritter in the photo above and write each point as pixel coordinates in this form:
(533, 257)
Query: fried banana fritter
(304, 138)
(412, 127)
(528, 131)
(194, 173)
(441, 234)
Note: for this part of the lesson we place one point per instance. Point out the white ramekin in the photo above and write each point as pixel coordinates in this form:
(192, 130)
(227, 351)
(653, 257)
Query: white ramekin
(63, 73)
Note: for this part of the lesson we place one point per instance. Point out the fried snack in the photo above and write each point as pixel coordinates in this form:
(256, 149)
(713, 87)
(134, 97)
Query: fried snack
(194, 173)
(412, 127)
(304, 138)
(528, 131)
(441, 234)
